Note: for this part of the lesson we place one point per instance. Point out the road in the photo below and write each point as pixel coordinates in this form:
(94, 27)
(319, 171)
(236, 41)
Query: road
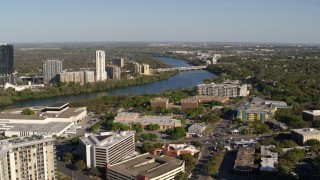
(77, 175)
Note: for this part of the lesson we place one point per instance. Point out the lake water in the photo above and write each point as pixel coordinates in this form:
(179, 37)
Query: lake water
(180, 80)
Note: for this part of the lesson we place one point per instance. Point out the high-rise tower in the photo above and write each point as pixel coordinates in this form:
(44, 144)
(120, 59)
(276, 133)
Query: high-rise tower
(51, 69)
(6, 59)
(101, 74)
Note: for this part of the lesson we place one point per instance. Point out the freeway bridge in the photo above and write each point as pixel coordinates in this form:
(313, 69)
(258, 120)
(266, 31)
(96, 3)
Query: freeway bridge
(189, 68)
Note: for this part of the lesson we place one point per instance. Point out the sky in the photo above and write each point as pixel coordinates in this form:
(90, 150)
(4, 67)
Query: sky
(280, 21)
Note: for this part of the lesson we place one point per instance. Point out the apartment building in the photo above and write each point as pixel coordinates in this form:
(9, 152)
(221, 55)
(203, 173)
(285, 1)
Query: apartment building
(51, 69)
(228, 90)
(27, 158)
(113, 72)
(106, 147)
(118, 62)
(159, 102)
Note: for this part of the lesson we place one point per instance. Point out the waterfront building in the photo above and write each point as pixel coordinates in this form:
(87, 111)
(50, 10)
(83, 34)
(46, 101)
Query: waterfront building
(88, 76)
(51, 120)
(159, 102)
(27, 158)
(106, 147)
(75, 76)
(228, 90)
(243, 165)
(118, 62)
(146, 167)
(113, 72)
(142, 69)
(137, 68)
(51, 69)
(311, 115)
(305, 134)
(101, 74)
(6, 65)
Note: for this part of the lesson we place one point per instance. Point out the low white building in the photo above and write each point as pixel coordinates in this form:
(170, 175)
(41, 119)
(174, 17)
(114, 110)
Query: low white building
(268, 159)
(51, 120)
(196, 129)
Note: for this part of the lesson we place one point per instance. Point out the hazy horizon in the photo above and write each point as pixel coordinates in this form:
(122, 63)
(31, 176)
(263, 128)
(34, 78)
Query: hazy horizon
(205, 21)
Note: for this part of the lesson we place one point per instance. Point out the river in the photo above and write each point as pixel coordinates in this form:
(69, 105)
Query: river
(180, 80)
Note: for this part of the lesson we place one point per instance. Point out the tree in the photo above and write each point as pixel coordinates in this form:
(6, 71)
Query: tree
(137, 127)
(75, 141)
(67, 157)
(178, 133)
(289, 144)
(28, 111)
(152, 127)
(312, 142)
(196, 144)
(80, 165)
(181, 176)
(190, 162)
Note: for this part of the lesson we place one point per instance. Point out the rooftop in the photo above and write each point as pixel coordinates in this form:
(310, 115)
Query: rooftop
(307, 131)
(313, 112)
(147, 165)
(58, 105)
(161, 120)
(160, 99)
(105, 139)
(196, 127)
(245, 158)
(52, 127)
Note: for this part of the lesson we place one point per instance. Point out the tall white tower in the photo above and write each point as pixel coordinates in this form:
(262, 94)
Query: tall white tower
(101, 74)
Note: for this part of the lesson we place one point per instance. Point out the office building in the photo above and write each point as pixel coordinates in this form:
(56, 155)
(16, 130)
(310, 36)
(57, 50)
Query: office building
(159, 102)
(88, 76)
(118, 62)
(51, 120)
(101, 74)
(106, 147)
(6, 59)
(113, 72)
(145, 167)
(51, 69)
(305, 134)
(243, 165)
(228, 90)
(311, 115)
(6, 65)
(27, 158)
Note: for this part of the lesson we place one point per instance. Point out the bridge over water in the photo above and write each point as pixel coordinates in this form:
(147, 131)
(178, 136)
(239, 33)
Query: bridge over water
(189, 68)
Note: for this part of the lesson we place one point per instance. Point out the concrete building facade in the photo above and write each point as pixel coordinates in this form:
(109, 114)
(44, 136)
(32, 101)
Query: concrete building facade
(106, 147)
(118, 62)
(101, 74)
(75, 76)
(88, 76)
(305, 134)
(311, 115)
(228, 90)
(51, 69)
(29, 158)
(6, 59)
(113, 72)
(159, 102)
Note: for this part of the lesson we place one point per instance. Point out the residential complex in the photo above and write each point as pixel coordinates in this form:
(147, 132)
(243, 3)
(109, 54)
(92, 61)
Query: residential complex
(311, 115)
(305, 134)
(75, 76)
(106, 147)
(113, 72)
(51, 69)
(159, 102)
(101, 74)
(193, 102)
(228, 90)
(253, 112)
(88, 76)
(142, 69)
(27, 158)
(118, 62)
(146, 167)
(51, 120)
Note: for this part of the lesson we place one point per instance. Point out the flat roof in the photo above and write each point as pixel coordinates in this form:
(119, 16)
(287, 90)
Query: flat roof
(307, 131)
(58, 105)
(245, 158)
(105, 139)
(52, 127)
(313, 112)
(147, 165)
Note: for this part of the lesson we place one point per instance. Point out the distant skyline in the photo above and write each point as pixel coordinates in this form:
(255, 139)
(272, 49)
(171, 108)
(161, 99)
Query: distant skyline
(269, 21)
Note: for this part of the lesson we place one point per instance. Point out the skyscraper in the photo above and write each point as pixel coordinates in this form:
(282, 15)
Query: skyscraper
(101, 74)
(113, 71)
(118, 62)
(6, 59)
(51, 69)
